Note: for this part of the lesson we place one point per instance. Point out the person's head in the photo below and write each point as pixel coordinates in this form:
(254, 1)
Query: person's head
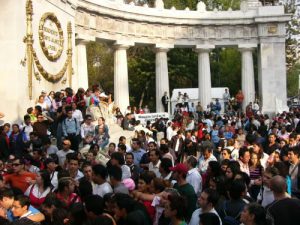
(154, 156)
(293, 155)
(226, 153)
(43, 178)
(88, 119)
(87, 171)
(237, 189)
(145, 180)
(112, 148)
(66, 145)
(124, 204)
(6, 198)
(117, 159)
(164, 167)
(50, 203)
(278, 185)
(20, 205)
(41, 99)
(50, 164)
(101, 121)
(18, 165)
(73, 162)
(136, 144)
(191, 162)
(122, 148)
(15, 128)
(115, 174)
(122, 140)
(85, 188)
(208, 199)
(254, 159)
(268, 174)
(99, 173)
(214, 168)
(66, 185)
(232, 169)
(94, 206)
(179, 172)
(206, 151)
(152, 146)
(158, 185)
(209, 219)
(253, 213)
(129, 158)
(272, 138)
(69, 112)
(175, 207)
(224, 165)
(27, 119)
(244, 155)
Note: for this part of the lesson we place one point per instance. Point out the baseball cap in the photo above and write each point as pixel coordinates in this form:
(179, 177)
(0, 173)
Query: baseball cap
(180, 167)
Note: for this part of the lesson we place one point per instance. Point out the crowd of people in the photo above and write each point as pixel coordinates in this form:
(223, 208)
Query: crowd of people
(199, 168)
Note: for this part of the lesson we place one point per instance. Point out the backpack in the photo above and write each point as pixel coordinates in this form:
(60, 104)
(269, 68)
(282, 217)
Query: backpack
(230, 220)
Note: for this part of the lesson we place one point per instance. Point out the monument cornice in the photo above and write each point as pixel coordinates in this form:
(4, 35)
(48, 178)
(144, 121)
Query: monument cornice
(111, 21)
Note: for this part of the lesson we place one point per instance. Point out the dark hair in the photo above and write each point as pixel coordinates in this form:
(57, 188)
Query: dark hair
(113, 144)
(147, 176)
(242, 151)
(165, 164)
(24, 200)
(138, 142)
(282, 168)
(100, 170)
(63, 182)
(259, 213)
(129, 153)
(122, 147)
(179, 204)
(234, 166)
(209, 219)
(236, 189)
(94, 204)
(192, 161)
(160, 184)
(85, 188)
(115, 172)
(6, 192)
(46, 178)
(164, 148)
(119, 157)
(295, 150)
(26, 117)
(213, 196)
(215, 168)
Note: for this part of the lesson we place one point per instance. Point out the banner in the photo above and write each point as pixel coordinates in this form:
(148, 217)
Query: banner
(150, 117)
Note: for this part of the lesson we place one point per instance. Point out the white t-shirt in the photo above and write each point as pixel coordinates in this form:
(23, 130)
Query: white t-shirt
(102, 189)
(62, 156)
(195, 220)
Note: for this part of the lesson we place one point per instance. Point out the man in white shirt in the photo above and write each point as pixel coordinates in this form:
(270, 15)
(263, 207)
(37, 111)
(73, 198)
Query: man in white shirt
(193, 176)
(244, 158)
(87, 128)
(77, 114)
(154, 162)
(99, 176)
(26, 127)
(207, 201)
(206, 157)
(63, 153)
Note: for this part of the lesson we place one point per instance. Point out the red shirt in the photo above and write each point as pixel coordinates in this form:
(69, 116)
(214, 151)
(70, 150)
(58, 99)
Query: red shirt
(20, 181)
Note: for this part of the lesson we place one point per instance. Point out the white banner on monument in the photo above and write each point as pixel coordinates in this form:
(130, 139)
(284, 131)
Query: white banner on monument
(150, 117)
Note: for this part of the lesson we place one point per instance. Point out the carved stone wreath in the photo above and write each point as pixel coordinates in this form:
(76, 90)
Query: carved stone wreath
(51, 17)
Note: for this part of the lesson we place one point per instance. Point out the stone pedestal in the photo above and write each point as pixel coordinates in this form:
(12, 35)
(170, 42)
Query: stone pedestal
(248, 84)
(204, 76)
(82, 72)
(162, 76)
(121, 90)
(272, 77)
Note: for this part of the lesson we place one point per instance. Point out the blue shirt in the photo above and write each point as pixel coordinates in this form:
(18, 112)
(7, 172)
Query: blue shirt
(138, 155)
(70, 126)
(11, 218)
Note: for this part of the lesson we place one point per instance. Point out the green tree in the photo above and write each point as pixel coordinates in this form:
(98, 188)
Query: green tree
(100, 64)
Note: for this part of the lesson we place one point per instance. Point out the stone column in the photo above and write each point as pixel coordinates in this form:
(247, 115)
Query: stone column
(162, 75)
(248, 85)
(272, 76)
(204, 76)
(82, 72)
(121, 90)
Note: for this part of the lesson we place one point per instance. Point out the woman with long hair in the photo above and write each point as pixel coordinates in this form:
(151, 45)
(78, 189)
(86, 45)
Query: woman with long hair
(37, 192)
(66, 191)
(175, 209)
(256, 171)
